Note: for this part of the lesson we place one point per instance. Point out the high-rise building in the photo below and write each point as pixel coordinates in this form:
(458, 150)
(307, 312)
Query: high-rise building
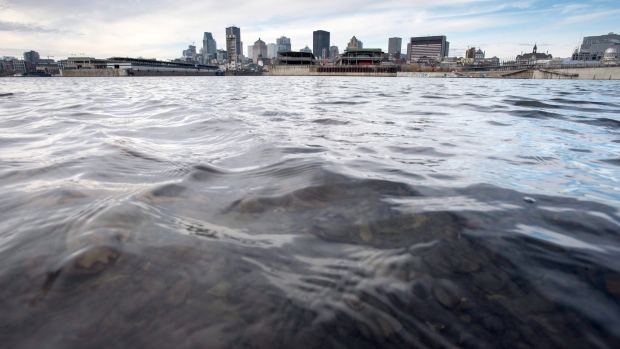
(222, 55)
(394, 47)
(306, 49)
(272, 50)
(31, 56)
(231, 51)
(408, 53)
(260, 49)
(429, 46)
(283, 43)
(190, 53)
(320, 44)
(333, 51)
(238, 44)
(354, 43)
(470, 53)
(209, 48)
(251, 53)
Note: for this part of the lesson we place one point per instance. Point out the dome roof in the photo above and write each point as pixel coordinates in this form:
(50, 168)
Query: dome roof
(611, 50)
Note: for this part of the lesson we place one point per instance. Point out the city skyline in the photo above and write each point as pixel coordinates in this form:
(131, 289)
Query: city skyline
(164, 28)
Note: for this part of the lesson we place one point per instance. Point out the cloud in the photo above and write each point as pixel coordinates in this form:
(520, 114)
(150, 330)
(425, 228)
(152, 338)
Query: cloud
(159, 28)
(30, 27)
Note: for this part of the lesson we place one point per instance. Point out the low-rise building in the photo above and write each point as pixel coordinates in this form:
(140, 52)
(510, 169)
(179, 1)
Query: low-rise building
(296, 58)
(361, 56)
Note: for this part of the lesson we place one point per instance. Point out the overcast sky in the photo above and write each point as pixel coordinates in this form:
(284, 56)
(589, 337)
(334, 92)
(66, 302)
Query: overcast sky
(163, 28)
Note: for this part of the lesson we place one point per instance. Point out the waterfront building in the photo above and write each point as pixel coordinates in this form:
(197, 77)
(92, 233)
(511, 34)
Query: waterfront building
(429, 47)
(611, 56)
(334, 52)
(408, 51)
(31, 56)
(479, 55)
(296, 58)
(19, 65)
(209, 48)
(533, 57)
(361, 56)
(394, 47)
(306, 49)
(260, 50)
(238, 44)
(320, 44)
(272, 50)
(593, 47)
(85, 63)
(283, 43)
(354, 43)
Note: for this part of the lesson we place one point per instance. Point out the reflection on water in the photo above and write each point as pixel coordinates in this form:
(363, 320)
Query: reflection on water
(309, 212)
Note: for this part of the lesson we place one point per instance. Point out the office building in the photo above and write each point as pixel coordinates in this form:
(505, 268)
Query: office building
(272, 50)
(251, 53)
(231, 52)
(320, 44)
(408, 51)
(190, 53)
(238, 44)
(283, 43)
(31, 56)
(209, 48)
(354, 43)
(394, 47)
(260, 50)
(593, 47)
(429, 47)
(306, 49)
(334, 52)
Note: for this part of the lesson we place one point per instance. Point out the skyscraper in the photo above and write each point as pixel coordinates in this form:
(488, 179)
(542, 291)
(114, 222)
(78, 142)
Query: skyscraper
(260, 49)
(394, 47)
(209, 48)
(320, 43)
(283, 43)
(429, 46)
(238, 45)
(251, 53)
(272, 50)
(231, 51)
(354, 43)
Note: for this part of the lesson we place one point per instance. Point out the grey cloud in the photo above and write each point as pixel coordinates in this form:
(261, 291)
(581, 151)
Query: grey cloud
(30, 27)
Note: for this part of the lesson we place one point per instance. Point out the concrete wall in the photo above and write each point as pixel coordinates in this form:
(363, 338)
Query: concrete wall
(311, 70)
(123, 72)
(426, 75)
(289, 70)
(98, 73)
(603, 73)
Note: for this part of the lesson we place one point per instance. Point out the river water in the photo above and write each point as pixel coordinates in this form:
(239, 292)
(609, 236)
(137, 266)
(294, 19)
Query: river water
(309, 212)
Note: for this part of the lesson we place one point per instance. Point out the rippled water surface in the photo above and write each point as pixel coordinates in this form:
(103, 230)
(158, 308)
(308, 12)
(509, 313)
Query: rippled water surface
(262, 212)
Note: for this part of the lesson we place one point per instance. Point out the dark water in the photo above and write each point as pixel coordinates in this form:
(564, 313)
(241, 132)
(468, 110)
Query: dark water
(309, 213)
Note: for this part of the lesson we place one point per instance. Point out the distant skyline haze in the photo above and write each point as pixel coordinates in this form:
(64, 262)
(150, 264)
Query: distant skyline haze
(162, 29)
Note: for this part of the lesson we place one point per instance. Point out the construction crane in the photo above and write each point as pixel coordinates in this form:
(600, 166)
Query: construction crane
(192, 41)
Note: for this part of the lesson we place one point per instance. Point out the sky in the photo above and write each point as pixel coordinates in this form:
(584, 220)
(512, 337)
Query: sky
(162, 29)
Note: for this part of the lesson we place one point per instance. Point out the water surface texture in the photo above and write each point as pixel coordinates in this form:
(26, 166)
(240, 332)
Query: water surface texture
(308, 212)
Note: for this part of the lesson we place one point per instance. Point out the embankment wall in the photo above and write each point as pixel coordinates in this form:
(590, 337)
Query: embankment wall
(312, 70)
(599, 73)
(124, 72)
